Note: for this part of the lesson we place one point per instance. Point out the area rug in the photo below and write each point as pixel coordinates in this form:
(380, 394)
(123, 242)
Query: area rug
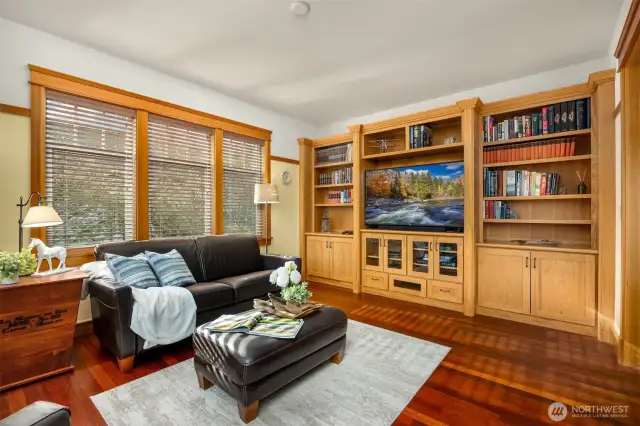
(380, 373)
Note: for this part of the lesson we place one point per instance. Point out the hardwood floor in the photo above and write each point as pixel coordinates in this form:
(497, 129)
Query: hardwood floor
(497, 372)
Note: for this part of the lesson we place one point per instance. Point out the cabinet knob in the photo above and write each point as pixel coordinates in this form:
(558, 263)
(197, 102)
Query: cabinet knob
(526, 262)
(534, 262)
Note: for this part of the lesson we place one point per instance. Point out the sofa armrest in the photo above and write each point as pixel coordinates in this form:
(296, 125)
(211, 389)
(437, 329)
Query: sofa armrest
(40, 413)
(111, 309)
(274, 261)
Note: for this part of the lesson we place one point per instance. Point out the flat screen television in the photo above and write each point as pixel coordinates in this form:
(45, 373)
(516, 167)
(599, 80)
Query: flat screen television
(429, 197)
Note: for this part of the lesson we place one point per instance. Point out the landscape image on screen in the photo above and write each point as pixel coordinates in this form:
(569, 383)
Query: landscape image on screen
(416, 196)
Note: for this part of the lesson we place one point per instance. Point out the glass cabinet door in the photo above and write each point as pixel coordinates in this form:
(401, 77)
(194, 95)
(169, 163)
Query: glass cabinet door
(395, 254)
(449, 266)
(372, 256)
(420, 256)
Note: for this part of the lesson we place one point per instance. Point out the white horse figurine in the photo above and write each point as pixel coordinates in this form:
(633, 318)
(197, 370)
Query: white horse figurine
(45, 252)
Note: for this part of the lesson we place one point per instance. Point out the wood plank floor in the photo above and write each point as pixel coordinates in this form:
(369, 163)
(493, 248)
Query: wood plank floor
(497, 372)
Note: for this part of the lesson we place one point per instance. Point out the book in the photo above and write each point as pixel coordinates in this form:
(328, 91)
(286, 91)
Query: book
(527, 125)
(256, 323)
(550, 119)
(543, 184)
(545, 122)
(571, 115)
(563, 117)
(557, 117)
(534, 124)
(588, 113)
(539, 123)
(411, 145)
(581, 114)
(538, 183)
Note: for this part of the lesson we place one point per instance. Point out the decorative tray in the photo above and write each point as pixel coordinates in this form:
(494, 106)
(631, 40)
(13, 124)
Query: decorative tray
(280, 307)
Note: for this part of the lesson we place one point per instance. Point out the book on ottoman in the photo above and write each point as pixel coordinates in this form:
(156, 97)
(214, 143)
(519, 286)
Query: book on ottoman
(256, 323)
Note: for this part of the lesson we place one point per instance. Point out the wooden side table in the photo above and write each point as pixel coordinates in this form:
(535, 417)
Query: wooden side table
(37, 325)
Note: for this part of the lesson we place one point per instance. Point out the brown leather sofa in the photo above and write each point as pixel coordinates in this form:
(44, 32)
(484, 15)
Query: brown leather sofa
(40, 413)
(229, 270)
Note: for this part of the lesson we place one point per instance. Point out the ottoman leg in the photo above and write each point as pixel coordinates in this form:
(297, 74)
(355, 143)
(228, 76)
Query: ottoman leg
(248, 413)
(337, 357)
(203, 382)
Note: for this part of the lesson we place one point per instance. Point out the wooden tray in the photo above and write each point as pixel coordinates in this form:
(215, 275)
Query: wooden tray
(281, 308)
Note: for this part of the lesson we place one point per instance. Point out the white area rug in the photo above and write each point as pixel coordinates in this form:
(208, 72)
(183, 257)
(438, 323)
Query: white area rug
(381, 372)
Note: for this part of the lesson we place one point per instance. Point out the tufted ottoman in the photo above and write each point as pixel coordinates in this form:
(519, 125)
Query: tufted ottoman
(249, 368)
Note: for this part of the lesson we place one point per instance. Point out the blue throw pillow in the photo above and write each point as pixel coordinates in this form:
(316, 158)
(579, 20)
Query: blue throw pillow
(133, 271)
(170, 268)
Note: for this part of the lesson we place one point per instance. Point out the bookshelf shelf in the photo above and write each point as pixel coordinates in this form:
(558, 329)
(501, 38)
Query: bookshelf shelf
(539, 221)
(558, 135)
(437, 149)
(335, 205)
(336, 164)
(541, 197)
(335, 185)
(539, 161)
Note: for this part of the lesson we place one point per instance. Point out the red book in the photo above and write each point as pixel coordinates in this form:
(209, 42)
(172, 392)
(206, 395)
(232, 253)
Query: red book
(543, 184)
(545, 124)
(572, 151)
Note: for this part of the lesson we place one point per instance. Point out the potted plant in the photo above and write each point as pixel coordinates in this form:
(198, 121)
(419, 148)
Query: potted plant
(28, 262)
(9, 267)
(293, 289)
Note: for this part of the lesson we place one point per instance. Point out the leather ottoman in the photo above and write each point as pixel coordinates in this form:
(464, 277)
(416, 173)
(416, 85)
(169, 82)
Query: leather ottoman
(250, 368)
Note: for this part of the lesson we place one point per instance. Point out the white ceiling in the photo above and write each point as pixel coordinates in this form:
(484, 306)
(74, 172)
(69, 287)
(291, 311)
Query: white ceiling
(347, 58)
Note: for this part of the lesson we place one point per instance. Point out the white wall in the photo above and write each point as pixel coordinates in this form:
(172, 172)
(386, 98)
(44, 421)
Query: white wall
(554, 79)
(20, 46)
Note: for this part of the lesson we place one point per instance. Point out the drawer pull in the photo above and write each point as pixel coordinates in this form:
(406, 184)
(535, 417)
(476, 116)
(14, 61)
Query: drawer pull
(445, 291)
(374, 278)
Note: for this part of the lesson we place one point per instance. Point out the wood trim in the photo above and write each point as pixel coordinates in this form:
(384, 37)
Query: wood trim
(284, 160)
(15, 110)
(435, 114)
(542, 322)
(36, 378)
(218, 136)
(331, 140)
(267, 179)
(38, 136)
(629, 35)
(69, 84)
(142, 175)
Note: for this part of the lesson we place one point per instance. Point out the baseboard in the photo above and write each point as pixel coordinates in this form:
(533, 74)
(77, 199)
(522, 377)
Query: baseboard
(628, 354)
(83, 328)
(541, 322)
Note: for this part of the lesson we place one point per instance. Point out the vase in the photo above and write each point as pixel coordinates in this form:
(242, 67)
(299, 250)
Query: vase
(582, 188)
(12, 279)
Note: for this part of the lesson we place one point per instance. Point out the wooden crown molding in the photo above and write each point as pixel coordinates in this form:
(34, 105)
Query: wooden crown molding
(69, 84)
(305, 141)
(284, 160)
(355, 128)
(600, 77)
(332, 140)
(15, 110)
(469, 103)
(436, 114)
(629, 35)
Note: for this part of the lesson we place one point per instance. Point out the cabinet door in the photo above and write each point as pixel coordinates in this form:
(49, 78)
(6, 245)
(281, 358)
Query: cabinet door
(449, 259)
(420, 253)
(318, 256)
(563, 287)
(372, 252)
(395, 254)
(343, 267)
(504, 279)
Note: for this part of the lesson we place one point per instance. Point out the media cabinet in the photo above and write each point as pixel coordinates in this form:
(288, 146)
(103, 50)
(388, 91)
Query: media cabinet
(485, 269)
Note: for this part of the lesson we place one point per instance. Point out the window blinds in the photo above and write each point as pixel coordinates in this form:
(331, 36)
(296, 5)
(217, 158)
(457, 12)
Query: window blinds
(89, 168)
(180, 178)
(243, 161)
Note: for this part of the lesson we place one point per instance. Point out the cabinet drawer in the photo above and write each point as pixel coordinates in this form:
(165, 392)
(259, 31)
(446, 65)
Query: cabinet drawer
(445, 291)
(376, 280)
(408, 285)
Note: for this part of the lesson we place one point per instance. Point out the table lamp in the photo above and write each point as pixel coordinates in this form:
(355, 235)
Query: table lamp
(266, 193)
(39, 216)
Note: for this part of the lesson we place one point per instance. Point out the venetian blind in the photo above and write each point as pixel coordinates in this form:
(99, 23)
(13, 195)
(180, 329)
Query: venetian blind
(90, 161)
(243, 161)
(180, 178)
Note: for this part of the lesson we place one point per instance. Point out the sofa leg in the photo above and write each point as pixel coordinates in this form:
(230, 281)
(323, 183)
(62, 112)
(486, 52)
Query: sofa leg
(204, 383)
(337, 357)
(126, 364)
(248, 413)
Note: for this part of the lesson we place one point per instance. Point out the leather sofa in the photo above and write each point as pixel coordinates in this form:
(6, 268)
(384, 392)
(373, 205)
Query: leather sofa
(40, 413)
(229, 270)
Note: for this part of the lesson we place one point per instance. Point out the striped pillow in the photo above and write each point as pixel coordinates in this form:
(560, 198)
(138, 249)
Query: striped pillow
(170, 268)
(133, 271)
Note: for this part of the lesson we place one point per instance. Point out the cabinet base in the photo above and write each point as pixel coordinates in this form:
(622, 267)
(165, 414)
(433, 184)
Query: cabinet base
(415, 299)
(328, 281)
(541, 322)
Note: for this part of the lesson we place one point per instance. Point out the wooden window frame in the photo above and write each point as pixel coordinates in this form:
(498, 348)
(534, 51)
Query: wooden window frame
(43, 79)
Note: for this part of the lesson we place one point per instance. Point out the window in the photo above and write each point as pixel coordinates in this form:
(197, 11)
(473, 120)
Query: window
(180, 178)
(243, 160)
(89, 169)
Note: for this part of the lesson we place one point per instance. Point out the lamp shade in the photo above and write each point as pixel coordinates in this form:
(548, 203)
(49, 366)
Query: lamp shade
(41, 216)
(266, 193)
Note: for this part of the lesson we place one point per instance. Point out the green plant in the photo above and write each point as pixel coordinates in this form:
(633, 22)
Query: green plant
(27, 262)
(296, 293)
(9, 264)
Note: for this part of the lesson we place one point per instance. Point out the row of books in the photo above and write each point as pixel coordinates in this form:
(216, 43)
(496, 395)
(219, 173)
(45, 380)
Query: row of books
(340, 197)
(335, 154)
(336, 177)
(498, 210)
(561, 117)
(519, 183)
(565, 147)
(420, 136)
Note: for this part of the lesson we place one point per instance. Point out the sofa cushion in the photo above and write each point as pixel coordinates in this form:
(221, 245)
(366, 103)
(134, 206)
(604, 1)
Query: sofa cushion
(247, 286)
(211, 295)
(185, 246)
(229, 255)
(133, 271)
(170, 268)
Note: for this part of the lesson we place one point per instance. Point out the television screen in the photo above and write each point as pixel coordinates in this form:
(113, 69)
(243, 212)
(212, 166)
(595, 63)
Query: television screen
(417, 196)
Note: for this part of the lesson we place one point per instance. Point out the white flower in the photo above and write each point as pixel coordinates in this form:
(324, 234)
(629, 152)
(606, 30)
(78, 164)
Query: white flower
(291, 265)
(296, 277)
(282, 272)
(273, 277)
(283, 281)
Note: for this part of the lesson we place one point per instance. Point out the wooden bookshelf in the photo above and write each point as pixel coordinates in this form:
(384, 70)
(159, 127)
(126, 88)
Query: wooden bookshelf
(539, 221)
(438, 149)
(539, 161)
(548, 136)
(541, 197)
(335, 185)
(334, 205)
(335, 164)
